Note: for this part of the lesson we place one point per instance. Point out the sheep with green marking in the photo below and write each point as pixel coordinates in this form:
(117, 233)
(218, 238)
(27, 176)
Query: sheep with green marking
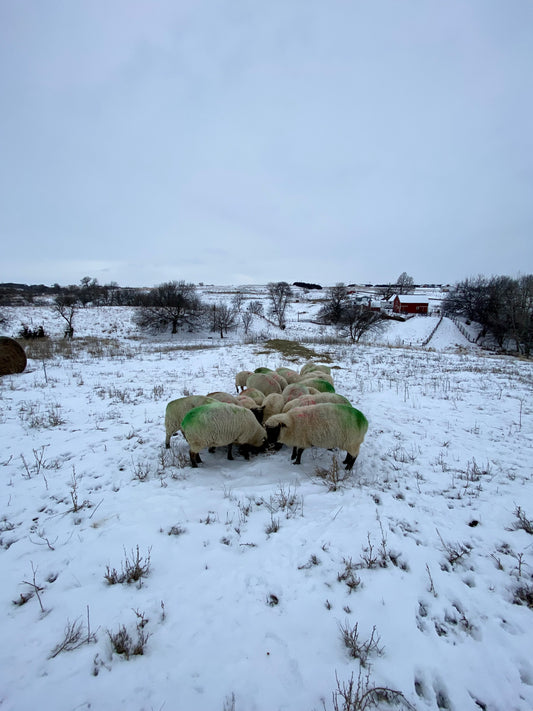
(326, 425)
(176, 411)
(320, 384)
(218, 425)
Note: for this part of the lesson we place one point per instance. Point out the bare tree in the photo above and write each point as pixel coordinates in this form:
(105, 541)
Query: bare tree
(247, 317)
(224, 317)
(173, 303)
(337, 300)
(256, 308)
(4, 320)
(65, 306)
(404, 283)
(280, 294)
(386, 291)
(501, 305)
(357, 320)
(237, 301)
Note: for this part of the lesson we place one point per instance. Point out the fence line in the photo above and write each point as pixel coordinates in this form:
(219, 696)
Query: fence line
(462, 328)
(428, 339)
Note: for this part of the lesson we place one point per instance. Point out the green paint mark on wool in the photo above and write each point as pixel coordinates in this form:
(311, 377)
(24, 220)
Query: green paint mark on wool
(354, 417)
(194, 416)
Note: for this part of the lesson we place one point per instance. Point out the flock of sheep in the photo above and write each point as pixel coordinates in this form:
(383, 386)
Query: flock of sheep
(271, 408)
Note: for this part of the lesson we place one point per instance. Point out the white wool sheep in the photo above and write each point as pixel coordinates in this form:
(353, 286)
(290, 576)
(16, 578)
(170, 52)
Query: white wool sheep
(254, 393)
(265, 382)
(291, 376)
(326, 425)
(297, 390)
(240, 379)
(176, 411)
(305, 400)
(309, 367)
(241, 400)
(219, 425)
(223, 397)
(272, 405)
(279, 379)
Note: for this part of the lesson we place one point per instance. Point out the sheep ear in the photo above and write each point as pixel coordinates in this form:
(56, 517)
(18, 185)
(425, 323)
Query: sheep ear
(282, 424)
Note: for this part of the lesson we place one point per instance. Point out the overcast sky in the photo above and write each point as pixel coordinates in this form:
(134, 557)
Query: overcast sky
(232, 141)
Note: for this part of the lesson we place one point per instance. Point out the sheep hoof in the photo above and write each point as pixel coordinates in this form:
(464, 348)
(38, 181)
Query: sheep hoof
(349, 461)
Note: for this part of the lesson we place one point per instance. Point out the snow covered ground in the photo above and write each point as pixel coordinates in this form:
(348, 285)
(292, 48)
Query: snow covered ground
(255, 572)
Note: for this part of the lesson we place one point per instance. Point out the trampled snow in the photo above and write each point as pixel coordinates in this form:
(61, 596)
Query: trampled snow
(237, 612)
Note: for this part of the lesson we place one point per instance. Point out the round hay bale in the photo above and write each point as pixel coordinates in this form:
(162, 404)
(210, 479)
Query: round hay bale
(12, 356)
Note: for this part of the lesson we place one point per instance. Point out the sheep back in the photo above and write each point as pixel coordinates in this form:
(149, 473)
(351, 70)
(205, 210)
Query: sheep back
(272, 405)
(223, 397)
(263, 382)
(305, 400)
(297, 390)
(311, 367)
(319, 384)
(291, 376)
(254, 393)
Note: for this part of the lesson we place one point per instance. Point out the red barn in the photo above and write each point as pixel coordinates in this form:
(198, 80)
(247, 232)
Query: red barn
(410, 304)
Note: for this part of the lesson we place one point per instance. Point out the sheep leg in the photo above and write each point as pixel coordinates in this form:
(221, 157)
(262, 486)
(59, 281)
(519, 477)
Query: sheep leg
(298, 455)
(245, 451)
(294, 452)
(349, 461)
(230, 453)
(192, 457)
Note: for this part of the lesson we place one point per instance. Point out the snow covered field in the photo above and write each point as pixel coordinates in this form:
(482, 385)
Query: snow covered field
(256, 572)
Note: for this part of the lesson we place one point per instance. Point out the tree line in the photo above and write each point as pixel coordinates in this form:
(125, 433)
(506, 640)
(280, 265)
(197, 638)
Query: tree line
(503, 306)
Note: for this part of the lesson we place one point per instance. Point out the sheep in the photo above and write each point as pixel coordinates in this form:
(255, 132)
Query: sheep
(240, 379)
(316, 374)
(219, 425)
(305, 400)
(263, 370)
(272, 405)
(279, 379)
(176, 411)
(310, 367)
(254, 393)
(319, 384)
(297, 390)
(324, 425)
(223, 397)
(264, 382)
(291, 376)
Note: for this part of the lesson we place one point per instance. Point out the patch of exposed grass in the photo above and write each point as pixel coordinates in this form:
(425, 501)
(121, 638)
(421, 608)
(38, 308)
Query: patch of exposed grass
(292, 349)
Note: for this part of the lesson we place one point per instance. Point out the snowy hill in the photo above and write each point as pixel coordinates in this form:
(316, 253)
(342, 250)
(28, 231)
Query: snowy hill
(261, 582)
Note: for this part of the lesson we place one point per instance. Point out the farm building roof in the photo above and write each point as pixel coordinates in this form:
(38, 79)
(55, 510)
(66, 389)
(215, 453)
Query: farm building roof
(412, 299)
